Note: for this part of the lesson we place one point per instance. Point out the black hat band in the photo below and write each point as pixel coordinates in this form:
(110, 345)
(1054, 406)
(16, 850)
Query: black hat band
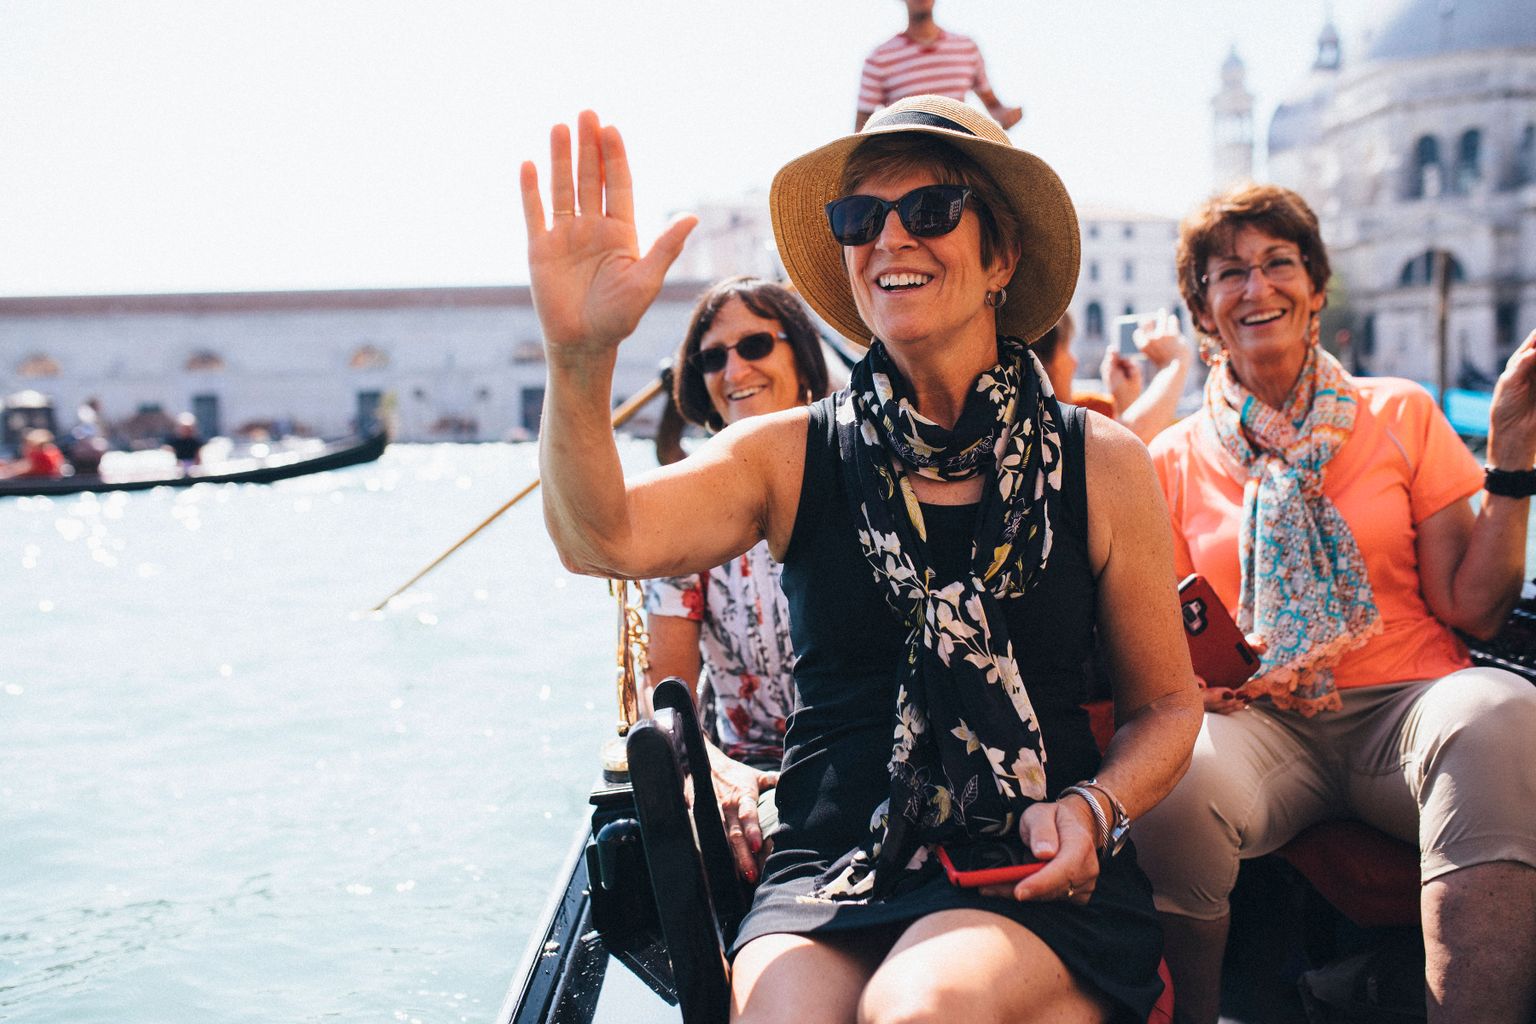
(925, 119)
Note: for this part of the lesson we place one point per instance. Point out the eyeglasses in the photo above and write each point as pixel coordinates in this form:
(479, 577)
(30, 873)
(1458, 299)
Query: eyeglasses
(753, 347)
(1282, 268)
(926, 212)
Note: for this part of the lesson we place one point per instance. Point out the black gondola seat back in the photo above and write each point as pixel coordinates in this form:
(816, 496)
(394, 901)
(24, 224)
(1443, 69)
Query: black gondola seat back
(726, 889)
(699, 900)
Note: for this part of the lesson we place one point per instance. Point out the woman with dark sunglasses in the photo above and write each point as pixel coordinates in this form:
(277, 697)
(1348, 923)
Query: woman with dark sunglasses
(951, 535)
(749, 349)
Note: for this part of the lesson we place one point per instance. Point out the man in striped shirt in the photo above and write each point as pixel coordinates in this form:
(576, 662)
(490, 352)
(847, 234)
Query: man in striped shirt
(927, 59)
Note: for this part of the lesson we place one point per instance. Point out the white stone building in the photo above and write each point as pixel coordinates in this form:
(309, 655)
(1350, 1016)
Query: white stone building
(732, 237)
(1424, 144)
(1127, 268)
(461, 363)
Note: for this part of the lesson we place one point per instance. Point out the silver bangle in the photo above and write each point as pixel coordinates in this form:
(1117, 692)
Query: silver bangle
(1100, 819)
(1120, 827)
(1114, 801)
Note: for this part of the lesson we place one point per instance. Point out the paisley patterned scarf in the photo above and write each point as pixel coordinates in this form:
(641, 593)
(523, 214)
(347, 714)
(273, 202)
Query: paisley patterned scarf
(1304, 583)
(967, 755)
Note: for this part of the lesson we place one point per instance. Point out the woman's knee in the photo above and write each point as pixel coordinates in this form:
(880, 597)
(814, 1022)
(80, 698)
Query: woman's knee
(782, 977)
(1471, 769)
(1480, 719)
(942, 1001)
(908, 1001)
(976, 967)
(1189, 844)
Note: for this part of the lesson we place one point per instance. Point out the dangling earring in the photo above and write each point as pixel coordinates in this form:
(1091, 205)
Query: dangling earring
(1210, 348)
(997, 298)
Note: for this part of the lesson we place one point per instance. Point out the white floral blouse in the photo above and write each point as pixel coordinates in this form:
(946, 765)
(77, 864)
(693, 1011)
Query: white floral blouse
(746, 687)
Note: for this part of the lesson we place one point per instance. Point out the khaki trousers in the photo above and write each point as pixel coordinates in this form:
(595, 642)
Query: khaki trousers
(1448, 764)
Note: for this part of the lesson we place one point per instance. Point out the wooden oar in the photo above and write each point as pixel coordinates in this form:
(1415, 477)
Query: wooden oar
(621, 415)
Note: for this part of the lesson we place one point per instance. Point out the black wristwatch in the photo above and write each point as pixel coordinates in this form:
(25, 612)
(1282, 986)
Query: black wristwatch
(1120, 827)
(1511, 483)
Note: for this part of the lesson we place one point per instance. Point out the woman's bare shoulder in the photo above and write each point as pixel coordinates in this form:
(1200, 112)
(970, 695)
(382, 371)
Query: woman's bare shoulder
(1125, 504)
(769, 436)
(1111, 446)
(772, 448)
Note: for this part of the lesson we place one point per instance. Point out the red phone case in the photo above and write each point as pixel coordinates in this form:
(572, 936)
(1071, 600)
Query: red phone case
(986, 876)
(1221, 656)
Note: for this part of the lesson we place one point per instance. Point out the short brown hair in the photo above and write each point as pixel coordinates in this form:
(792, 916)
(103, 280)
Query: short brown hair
(1002, 231)
(1211, 227)
(769, 301)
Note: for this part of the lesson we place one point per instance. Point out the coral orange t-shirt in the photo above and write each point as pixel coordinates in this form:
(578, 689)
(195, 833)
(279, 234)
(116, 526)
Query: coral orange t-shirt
(1402, 463)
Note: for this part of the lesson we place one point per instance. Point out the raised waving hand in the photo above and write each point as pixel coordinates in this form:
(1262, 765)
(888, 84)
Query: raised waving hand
(590, 283)
(1512, 419)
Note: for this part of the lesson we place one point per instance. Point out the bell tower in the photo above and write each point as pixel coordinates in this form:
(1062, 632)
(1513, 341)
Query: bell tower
(1232, 124)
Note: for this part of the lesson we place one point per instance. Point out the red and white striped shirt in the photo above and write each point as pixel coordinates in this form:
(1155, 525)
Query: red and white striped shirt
(950, 66)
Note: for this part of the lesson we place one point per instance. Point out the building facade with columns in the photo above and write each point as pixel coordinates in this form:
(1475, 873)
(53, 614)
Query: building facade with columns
(1425, 144)
(1127, 268)
(447, 364)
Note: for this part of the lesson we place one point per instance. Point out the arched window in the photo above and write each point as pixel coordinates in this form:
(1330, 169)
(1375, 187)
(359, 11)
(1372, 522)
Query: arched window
(1367, 347)
(1421, 270)
(1506, 323)
(1469, 164)
(368, 357)
(204, 361)
(1525, 157)
(38, 364)
(1095, 325)
(1427, 175)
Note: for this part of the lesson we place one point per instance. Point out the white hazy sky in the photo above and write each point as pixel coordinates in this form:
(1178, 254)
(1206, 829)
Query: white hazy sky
(189, 145)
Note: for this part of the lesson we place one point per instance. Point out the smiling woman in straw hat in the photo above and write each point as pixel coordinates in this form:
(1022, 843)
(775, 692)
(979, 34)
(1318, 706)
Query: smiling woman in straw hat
(951, 537)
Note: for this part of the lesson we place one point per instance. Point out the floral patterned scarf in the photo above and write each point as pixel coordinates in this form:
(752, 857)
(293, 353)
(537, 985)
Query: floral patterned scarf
(1304, 584)
(967, 755)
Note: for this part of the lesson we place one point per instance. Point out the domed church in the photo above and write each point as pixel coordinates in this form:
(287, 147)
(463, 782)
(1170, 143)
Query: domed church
(1420, 159)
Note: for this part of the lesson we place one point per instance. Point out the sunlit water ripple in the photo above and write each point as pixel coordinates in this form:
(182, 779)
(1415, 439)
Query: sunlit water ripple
(227, 794)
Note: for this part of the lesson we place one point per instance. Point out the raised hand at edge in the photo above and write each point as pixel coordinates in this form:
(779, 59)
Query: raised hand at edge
(590, 283)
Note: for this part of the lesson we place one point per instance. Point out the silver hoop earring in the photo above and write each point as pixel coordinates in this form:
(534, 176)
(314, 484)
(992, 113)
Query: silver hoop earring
(997, 298)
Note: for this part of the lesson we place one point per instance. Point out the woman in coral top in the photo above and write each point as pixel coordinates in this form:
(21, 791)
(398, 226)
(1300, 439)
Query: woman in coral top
(1333, 516)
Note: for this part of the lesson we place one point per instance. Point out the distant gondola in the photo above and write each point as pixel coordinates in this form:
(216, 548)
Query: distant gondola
(252, 470)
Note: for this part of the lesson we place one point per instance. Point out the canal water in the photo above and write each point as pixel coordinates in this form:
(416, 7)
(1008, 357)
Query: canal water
(228, 793)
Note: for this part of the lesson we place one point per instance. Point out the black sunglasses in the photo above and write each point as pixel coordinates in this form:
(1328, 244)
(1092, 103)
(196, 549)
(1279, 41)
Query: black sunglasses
(926, 212)
(753, 347)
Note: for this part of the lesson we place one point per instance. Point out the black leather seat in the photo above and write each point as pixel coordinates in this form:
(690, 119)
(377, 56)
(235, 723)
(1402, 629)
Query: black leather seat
(700, 900)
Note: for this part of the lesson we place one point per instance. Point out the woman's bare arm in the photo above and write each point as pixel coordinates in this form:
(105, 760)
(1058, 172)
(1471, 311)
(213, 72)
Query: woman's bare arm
(1157, 703)
(1471, 564)
(673, 651)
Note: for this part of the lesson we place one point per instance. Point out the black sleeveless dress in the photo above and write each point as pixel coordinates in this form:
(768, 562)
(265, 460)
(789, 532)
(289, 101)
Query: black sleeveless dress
(848, 644)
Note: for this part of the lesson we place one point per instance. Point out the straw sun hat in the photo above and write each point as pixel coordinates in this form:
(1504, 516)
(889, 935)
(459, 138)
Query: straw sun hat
(1042, 284)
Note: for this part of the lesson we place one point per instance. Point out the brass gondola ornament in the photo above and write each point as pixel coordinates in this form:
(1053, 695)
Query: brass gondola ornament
(630, 667)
